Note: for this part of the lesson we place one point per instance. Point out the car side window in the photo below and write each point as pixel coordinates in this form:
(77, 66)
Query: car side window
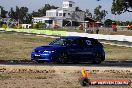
(58, 42)
(88, 42)
(79, 42)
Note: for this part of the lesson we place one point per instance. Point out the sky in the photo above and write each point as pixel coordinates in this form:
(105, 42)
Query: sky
(34, 5)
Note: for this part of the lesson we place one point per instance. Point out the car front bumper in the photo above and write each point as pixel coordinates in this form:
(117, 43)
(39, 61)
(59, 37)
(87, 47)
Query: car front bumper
(42, 57)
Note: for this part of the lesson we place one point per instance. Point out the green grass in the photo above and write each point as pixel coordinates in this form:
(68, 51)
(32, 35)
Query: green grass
(17, 46)
(114, 52)
(62, 32)
(68, 30)
(105, 31)
(3, 77)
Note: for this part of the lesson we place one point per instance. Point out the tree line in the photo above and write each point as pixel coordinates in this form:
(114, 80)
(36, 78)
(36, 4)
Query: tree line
(121, 6)
(22, 14)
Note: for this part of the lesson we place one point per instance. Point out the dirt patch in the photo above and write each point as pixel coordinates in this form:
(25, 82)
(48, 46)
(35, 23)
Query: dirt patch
(56, 76)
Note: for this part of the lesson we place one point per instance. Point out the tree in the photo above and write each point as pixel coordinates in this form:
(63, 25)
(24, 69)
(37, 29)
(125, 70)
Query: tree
(108, 23)
(23, 14)
(28, 19)
(20, 14)
(99, 14)
(121, 6)
(12, 13)
(35, 14)
(77, 9)
(3, 12)
(88, 13)
(39, 25)
(42, 11)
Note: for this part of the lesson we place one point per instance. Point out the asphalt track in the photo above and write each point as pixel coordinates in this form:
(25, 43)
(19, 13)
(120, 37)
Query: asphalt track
(103, 64)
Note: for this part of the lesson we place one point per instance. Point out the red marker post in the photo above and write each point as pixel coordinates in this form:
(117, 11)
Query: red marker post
(129, 27)
(114, 26)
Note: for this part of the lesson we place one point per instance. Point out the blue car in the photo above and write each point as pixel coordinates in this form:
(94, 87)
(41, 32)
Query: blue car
(70, 49)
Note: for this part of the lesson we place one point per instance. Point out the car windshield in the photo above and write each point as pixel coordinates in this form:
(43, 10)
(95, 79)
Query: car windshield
(62, 41)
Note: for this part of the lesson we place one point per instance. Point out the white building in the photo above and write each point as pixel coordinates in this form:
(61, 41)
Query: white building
(26, 26)
(64, 16)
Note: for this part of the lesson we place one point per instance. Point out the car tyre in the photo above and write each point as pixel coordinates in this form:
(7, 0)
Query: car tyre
(97, 60)
(40, 61)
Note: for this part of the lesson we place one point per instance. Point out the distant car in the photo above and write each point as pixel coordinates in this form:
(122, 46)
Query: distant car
(70, 49)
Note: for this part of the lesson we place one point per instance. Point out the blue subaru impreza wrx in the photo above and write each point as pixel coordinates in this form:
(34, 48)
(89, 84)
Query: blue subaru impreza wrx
(70, 49)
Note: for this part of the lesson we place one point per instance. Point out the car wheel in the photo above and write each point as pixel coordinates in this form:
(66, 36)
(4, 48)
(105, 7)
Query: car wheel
(97, 60)
(63, 58)
(40, 61)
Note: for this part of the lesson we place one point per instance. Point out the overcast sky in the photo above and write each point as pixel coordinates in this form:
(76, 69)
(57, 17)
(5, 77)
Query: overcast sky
(34, 5)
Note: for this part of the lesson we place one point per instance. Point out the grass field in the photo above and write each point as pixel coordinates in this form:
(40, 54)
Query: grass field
(109, 31)
(17, 46)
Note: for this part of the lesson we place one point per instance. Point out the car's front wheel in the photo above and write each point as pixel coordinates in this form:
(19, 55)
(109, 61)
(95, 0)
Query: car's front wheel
(63, 58)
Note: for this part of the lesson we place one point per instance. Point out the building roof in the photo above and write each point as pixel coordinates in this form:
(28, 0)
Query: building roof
(69, 1)
(90, 19)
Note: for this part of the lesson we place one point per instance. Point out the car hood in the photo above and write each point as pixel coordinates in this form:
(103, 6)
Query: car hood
(48, 48)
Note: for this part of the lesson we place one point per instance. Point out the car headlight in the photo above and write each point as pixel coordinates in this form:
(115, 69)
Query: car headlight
(48, 51)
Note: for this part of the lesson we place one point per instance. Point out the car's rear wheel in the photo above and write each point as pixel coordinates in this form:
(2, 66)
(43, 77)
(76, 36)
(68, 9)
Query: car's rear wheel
(63, 58)
(75, 61)
(97, 60)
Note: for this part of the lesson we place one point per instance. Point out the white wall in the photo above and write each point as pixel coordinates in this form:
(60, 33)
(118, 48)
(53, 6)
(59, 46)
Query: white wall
(40, 19)
(66, 5)
(60, 11)
(26, 25)
(51, 13)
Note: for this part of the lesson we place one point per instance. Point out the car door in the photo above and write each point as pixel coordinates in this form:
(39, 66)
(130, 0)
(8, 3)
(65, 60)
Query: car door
(75, 50)
(88, 50)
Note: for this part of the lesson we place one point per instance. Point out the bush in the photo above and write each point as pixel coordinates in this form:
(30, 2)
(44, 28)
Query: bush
(39, 25)
(4, 26)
